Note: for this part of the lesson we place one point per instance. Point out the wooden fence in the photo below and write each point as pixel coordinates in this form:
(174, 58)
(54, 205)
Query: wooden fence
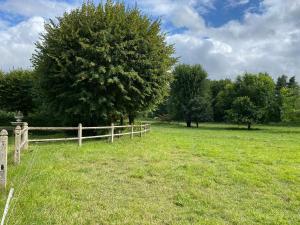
(22, 139)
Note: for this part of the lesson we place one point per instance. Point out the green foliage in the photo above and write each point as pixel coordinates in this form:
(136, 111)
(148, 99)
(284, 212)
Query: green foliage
(100, 63)
(243, 111)
(6, 118)
(201, 109)
(188, 91)
(283, 100)
(259, 91)
(218, 94)
(258, 87)
(17, 91)
(290, 108)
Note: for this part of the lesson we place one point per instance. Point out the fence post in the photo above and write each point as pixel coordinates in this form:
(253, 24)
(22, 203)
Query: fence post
(3, 157)
(131, 136)
(79, 134)
(17, 145)
(112, 133)
(25, 135)
(141, 128)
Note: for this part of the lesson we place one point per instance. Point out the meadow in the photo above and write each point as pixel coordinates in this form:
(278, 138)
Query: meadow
(214, 174)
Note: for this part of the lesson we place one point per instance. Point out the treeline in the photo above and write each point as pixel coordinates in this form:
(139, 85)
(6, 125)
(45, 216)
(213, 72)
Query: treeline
(251, 98)
(19, 91)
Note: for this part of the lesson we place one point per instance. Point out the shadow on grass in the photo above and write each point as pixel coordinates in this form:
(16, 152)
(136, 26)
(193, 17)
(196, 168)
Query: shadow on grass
(280, 129)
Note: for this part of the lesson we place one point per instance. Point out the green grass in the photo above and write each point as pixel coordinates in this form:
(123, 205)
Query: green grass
(174, 175)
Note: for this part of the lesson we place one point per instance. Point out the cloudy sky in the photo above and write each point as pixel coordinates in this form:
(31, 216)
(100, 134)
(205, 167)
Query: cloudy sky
(228, 37)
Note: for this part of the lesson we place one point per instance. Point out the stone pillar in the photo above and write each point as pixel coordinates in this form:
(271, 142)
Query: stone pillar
(17, 145)
(3, 157)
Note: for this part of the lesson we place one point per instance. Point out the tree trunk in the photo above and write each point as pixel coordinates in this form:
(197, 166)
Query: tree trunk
(188, 123)
(131, 119)
(197, 124)
(249, 126)
(121, 121)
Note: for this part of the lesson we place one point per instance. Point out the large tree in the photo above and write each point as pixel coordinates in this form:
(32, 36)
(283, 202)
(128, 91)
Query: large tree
(254, 91)
(101, 63)
(190, 90)
(243, 111)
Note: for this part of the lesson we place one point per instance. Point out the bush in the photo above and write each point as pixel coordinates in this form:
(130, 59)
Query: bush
(6, 118)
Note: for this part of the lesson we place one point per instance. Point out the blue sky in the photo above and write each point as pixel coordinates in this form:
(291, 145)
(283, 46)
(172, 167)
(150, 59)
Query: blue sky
(228, 37)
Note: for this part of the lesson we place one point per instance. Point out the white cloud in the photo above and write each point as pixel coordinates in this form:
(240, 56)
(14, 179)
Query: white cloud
(181, 13)
(268, 42)
(234, 3)
(30, 8)
(17, 43)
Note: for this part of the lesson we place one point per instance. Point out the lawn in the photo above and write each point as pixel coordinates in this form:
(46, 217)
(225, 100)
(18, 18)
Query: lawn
(173, 175)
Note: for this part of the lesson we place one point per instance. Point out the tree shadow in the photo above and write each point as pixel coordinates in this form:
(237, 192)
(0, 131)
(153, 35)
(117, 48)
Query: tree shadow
(280, 129)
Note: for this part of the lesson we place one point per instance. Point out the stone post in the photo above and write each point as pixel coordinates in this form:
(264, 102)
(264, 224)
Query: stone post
(3, 157)
(17, 145)
(79, 134)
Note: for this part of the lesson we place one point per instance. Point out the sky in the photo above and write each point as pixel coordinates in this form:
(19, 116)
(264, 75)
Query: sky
(227, 37)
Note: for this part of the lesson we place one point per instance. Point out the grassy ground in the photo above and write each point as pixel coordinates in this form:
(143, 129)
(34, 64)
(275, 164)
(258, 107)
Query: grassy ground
(174, 175)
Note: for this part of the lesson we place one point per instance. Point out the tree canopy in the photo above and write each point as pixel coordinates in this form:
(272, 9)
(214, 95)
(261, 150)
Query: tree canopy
(17, 91)
(189, 93)
(251, 96)
(100, 63)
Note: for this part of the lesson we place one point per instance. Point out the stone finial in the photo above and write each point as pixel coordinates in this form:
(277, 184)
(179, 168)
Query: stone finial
(3, 133)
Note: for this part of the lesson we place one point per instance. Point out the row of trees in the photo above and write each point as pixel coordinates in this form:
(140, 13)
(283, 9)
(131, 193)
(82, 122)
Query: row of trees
(249, 99)
(105, 63)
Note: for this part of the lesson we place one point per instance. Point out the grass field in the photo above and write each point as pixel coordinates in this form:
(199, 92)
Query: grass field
(173, 175)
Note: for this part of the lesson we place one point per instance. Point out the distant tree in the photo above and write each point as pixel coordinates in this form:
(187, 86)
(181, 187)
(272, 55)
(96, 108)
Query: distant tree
(259, 90)
(190, 86)
(282, 81)
(243, 111)
(17, 91)
(102, 63)
(290, 109)
(292, 82)
(201, 110)
(218, 94)
(281, 92)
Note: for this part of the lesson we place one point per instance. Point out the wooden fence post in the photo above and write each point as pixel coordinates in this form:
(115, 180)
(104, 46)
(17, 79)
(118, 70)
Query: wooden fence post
(25, 135)
(131, 135)
(79, 134)
(141, 130)
(17, 145)
(3, 157)
(112, 133)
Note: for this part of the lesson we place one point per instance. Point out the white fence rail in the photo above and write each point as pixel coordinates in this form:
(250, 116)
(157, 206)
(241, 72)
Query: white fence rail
(134, 129)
